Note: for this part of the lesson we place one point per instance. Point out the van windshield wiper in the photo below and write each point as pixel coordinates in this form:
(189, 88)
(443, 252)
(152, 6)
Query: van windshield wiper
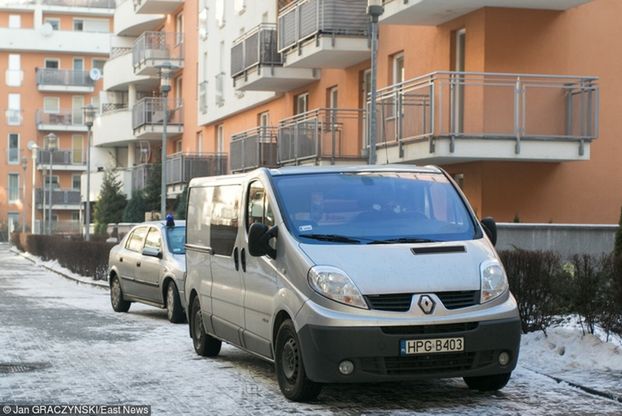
(331, 237)
(404, 240)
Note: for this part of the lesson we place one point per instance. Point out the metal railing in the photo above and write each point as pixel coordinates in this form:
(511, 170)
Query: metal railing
(256, 47)
(220, 89)
(150, 111)
(157, 46)
(113, 107)
(325, 133)
(489, 105)
(304, 19)
(181, 167)
(62, 157)
(67, 77)
(66, 118)
(253, 148)
(99, 4)
(203, 97)
(59, 197)
(117, 51)
(140, 175)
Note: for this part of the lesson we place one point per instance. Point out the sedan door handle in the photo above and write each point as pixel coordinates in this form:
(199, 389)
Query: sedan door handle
(120, 259)
(138, 264)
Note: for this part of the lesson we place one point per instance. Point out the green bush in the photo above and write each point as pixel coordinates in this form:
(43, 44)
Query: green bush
(110, 204)
(135, 209)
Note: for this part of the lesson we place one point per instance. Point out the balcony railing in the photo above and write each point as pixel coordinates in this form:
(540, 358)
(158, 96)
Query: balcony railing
(151, 47)
(14, 117)
(59, 197)
(327, 133)
(65, 77)
(203, 97)
(489, 105)
(253, 148)
(99, 4)
(113, 107)
(257, 47)
(181, 167)
(140, 175)
(61, 157)
(63, 119)
(150, 111)
(304, 19)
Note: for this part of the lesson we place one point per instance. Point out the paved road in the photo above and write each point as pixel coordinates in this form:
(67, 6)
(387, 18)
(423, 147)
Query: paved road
(81, 352)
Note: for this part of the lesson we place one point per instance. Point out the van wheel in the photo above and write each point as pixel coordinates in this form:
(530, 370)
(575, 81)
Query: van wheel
(488, 383)
(173, 304)
(204, 344)
(116, 297)
(290, 369)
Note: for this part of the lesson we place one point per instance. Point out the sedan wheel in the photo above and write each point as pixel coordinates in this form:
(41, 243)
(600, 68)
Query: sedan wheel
(116, 296)
(174, 310)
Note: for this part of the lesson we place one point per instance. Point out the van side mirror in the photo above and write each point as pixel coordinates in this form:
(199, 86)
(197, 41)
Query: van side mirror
(259, 236)
(152, 252)
(490, 228)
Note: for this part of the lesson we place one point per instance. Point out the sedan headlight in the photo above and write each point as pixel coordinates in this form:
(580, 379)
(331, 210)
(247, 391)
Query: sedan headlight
(335, 284)
(494, 281)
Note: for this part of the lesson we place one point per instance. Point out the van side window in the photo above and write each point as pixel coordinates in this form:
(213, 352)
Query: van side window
(199, 216)
(136, 239)
(258, 209)
(154, 239)
(224, 222)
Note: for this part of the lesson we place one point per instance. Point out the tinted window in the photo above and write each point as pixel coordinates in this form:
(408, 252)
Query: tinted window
(224, 222)
(154, 239)
(199, 216)
(176, 239)
(135, 240)
(373, 206)
(258, 208)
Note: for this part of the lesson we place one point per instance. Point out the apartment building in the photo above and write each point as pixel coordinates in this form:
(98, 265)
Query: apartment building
(516, 99)
(52, 53)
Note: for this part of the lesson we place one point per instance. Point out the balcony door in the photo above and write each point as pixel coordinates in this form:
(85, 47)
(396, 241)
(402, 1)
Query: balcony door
(77, 103)
(457, 81)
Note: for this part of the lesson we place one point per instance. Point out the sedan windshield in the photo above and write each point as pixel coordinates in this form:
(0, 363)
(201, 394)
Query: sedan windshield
(373, 208)
(176, 238)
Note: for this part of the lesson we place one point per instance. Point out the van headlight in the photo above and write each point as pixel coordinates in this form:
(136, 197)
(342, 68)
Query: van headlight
(335, 284)
(494, 281)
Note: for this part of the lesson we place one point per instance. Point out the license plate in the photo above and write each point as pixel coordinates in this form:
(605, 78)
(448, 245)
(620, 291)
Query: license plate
(431, 346)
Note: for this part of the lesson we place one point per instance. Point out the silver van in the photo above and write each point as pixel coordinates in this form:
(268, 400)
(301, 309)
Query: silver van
(349, 274)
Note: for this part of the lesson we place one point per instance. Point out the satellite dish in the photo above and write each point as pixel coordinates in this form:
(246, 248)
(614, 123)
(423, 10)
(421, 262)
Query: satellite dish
(46, 30)
(95, 74)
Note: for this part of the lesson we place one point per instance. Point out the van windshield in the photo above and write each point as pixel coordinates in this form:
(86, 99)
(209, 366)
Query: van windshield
(373, 208)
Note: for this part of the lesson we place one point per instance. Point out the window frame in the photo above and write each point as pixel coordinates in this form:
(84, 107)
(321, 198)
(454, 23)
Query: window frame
(13, 192)
(17, 158)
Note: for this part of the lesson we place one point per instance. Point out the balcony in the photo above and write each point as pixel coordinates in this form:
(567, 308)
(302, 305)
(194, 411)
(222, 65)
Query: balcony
(64, 120)
(62, 160)
(321, 136)
(455, 117)
(434, 12)
(114, 126)
(153, 49)
(256, 64)
(68, 41)
(64, 80)
(156, 6)
(140, 175)
(324, 33)
(62, 199)
(253, 149)
(181, 167)
(119, 70)
(128, 23)
(148, 118)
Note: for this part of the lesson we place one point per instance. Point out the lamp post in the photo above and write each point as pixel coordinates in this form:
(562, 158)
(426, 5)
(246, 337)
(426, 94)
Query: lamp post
(24, 167)
(166, 70)
(89, 117)
(33, 147)
(51, 142)
(374, 10)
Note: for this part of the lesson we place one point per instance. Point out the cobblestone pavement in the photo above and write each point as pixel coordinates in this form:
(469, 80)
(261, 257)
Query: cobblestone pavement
(83, 353)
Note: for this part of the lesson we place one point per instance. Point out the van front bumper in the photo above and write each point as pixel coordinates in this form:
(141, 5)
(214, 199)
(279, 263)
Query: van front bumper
(375, 351)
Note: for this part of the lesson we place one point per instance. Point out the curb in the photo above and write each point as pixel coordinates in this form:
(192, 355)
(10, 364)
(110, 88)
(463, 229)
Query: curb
(82, 280)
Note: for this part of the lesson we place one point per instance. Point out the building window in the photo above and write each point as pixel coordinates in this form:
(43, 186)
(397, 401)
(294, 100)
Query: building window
(178, 146)
(78, 25)
(13, 148)
(203, 22)
(332, 97)
(77, 149)
(397, 68)
(15, 21)
(75, 216)
(14, 74)
(220, 139)
(51, 105)
(263, 119)
(179, 28)
(14, 112)
(13, 221)
(53, 179)
(199, 142)
(55, 23)
(220, 13)
(13, 187)
(51, 63)
(178, 91)
(75, 182)
(302, 103)
(99, 64)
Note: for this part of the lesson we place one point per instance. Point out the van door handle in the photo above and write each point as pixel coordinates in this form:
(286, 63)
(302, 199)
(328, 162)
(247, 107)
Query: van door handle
(120, 259)
(243, 260)
(137, 264)
(236, 260)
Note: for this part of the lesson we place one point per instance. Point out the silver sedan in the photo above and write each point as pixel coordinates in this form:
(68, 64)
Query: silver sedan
(149, 266)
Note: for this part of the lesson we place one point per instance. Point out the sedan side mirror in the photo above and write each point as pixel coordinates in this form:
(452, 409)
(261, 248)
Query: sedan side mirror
(259, 236)
(490, 228)
(152, 252)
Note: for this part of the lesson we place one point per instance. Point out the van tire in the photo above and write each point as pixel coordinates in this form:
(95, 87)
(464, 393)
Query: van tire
(174, 311)
(204, 344)
(290, 370)
(488, 383)
(119, 304)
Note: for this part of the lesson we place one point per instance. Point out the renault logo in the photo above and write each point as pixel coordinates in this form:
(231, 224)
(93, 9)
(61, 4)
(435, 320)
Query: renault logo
(426, 304)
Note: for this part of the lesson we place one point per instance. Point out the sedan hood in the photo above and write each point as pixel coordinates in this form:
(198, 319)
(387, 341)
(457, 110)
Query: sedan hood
(395, 268)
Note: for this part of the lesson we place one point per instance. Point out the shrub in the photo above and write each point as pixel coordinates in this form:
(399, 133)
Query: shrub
(110, 204)
(135, 209)
(617, 248)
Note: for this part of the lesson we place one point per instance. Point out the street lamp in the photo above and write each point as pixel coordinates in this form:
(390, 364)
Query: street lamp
(24, 167)
(50, 146)
(89, 117)
(33, 147)
(166, 70)
(374, 10)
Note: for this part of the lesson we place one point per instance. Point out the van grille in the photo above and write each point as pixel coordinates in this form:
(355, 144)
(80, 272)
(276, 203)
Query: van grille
(399, 302)
(419, 364)
(429, 329)
(457, 300)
